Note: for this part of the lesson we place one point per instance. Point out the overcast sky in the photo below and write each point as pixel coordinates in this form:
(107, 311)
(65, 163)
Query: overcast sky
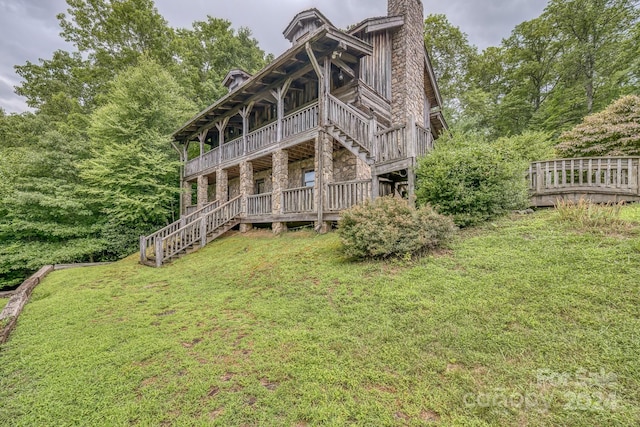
(29, 29)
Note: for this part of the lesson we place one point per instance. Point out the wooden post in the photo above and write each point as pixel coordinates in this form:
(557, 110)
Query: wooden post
(143, 249)
(244, 113)
(539, 177)
(221, 126)
(375, 183)
(203, 231)
(373, 139)
(158, 250)
(411, 154)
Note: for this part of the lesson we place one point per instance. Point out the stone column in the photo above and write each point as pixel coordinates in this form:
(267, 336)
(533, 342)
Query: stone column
(280, 183)
(186, 196)
(203, 191)
(222, 186)
(324, 176)
(246, 189)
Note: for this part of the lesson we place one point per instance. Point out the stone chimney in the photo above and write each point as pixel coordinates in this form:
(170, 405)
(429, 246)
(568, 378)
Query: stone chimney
(407, 62)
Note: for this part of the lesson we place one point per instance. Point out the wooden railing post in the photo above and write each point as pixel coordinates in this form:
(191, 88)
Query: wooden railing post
(203, 231)
(158, 250)
(373, 139)
(539, 177)
(143, 249)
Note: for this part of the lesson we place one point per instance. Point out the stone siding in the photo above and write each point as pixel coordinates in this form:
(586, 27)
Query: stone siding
(407, 62)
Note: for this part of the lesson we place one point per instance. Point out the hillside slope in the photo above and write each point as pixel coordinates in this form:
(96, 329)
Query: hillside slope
(503, 329)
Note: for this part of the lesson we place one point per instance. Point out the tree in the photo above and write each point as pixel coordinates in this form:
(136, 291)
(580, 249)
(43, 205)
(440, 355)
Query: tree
(592, 33)
(132, 170)
(451, 56)
(209, 51)
(44, 217)
(530, 59)
(614, 131)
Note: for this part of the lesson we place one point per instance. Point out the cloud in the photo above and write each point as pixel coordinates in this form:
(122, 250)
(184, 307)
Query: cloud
(29, 28)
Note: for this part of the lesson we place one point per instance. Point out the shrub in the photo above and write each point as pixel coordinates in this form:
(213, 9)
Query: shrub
(390, 227)
(471, 179)
(614, 131)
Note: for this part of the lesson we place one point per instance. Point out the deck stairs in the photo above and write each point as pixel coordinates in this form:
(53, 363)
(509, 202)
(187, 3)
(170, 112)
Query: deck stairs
(190, 233)
(355, 131)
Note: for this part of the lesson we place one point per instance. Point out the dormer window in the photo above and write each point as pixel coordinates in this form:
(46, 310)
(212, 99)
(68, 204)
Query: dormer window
(235, 79)
(305, 23)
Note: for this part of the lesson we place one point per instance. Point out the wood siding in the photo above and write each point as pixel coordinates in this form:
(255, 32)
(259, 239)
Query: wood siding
(375, 70)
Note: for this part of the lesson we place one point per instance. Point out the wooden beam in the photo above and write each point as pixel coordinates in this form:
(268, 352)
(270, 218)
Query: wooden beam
(314, 61)
(260, 96)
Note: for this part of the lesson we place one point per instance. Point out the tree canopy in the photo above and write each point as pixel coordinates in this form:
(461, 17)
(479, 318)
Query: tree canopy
(615, 131)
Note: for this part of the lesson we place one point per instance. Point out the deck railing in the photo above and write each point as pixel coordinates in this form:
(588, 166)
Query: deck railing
(293, 124)
(300, 121)
(148, 243)
(298, 200)
(233, 149)
(343, 195)
(262, 137)
(392, 144)
(195, 233)
(355, 124)
(424, 141)
(610, 174)
(259, 204)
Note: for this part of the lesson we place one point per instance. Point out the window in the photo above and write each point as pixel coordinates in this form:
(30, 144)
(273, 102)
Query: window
(260, 186)
(309, 177)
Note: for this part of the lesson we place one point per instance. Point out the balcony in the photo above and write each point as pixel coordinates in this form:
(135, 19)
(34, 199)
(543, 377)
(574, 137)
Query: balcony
(260, 139)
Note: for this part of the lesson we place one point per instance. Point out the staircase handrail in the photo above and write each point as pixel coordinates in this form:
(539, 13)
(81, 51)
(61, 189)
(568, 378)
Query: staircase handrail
(172, 244)
(149, 242)
(363, 122)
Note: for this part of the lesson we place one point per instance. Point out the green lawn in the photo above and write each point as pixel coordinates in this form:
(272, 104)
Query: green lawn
(523, 322)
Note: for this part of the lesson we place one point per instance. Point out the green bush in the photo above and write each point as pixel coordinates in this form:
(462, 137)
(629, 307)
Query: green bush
(389, 227)
(471, 179)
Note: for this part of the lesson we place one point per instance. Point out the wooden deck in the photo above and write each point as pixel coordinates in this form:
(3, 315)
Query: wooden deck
(364, 136)
(200, 227)
(599, 179)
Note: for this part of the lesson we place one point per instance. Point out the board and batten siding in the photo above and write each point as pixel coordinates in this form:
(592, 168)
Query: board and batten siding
(375, 70)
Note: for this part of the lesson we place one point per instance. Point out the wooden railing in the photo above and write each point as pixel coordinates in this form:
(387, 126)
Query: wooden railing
(606, 174)
(424, 141)
(343, 195)
(262, 137)
(350, 121)
(392, 144)
(298, 200)
(209, 160)
(293, 124)
(195, 233)
(259, 204)
(193, 216)
(148, 243)
(300, 121)
(233, 149)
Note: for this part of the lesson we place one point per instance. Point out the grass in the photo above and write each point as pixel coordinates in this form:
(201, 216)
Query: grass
(588, 216)
(522, 322)
(3, 303)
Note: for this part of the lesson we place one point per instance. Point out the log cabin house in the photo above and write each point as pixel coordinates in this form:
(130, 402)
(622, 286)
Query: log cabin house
(339, 118)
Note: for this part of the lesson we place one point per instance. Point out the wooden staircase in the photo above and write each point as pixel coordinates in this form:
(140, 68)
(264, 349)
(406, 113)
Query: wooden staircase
(190, 233)
(355, 131)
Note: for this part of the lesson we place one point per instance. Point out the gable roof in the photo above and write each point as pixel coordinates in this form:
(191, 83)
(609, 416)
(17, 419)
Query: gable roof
(303, 17)
(371, 25)
(323, 41)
